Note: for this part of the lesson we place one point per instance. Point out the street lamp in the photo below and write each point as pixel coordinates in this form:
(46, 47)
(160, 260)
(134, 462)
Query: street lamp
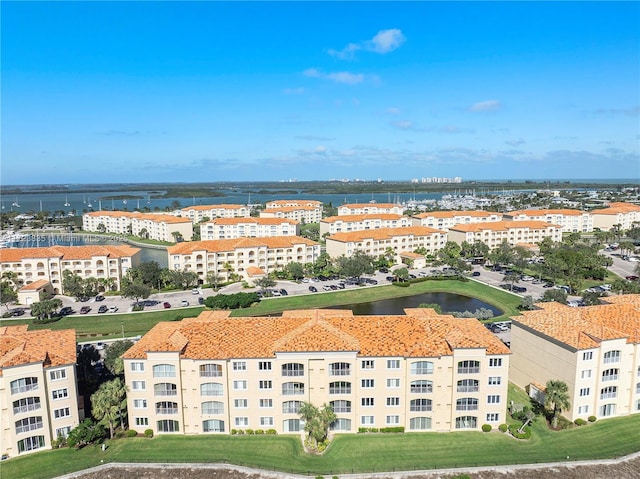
(122, 325)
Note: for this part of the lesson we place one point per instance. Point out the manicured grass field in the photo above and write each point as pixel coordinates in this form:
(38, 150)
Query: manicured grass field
(350, 453)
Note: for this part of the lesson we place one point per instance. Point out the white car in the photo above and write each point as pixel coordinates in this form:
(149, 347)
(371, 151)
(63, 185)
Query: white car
(184, 302)
(195, 291)
(527, 278)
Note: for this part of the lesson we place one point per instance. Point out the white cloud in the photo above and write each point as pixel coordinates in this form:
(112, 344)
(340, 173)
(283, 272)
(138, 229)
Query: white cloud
(346, 77)
(384, 41)
(393, 110)
(514, 143)
(488, 105)
(403, 124)
(293, 91)
(312, 72)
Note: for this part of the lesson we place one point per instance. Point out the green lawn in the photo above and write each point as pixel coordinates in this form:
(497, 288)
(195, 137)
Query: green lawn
(110, 325)
(350, 453)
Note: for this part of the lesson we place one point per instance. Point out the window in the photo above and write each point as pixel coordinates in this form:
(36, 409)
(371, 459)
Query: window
(393, 401)
(31, 443)
(167, 425)
(340, 406)
(142, 421)
(292, 369)
(266, 403)
(585, 374)
(495, 380)
(165, 389)
(26, 405)
(468, 367)
(393, 420)
(607, 410)
(393, 364)
(368, 364)
(583, 409)
(339, 369)
(28, 424)
(422, 367)
(393, 383)
(587, 356)
(341, 424)
(63, 431)
(24, 385)
(610, 374)
(213, 425)
(609, 392)
(417, 405)
(239, 385)
(367, 402)
(242, 421)
(264, 365)
(212, 407)
(239, 365)
(340, 387)
(137, 367)
(495, 362)
(164, 371)
(289, 389)
(210, 370)
(291, 425)
(58, 374)
(60, 393)
(266, 421)
(611, 357)
(139, 403)
(367, 383)
(211, 389)
(467, 404)
(62, 412)
(265, 385)
(466, 422)
(493, 399)
(419, 423)
(367, 420)
(585, 392)
(240, 403)
(468, 386)
(291, 407)
(493, 417)
(421, 386)
(138, 385)
(638, 388)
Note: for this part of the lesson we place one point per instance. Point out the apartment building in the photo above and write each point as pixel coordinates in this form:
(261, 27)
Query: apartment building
(161, 227)
(199, 213)
(595, 350)
(348, 223)
(38, 390)
(571, 221)
(370, 209)
(293, 203)
(230, 228)
(302, 214)
(379, 241)
(104, 262)
(514, 232)
(421, 371)
(443, 220)
(622, 214)
(228, 256)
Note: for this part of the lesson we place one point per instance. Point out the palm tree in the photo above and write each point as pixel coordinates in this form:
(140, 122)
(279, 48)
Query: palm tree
(108, 404)
(556, 395)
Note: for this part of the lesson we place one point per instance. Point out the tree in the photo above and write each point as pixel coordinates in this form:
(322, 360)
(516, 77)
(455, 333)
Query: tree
(512, 278)
(591, 298)
(357, 265)
(109, 404)
(317, 421)
(143, 233)
(556, 396)
(114, 352)
(72, 284)
(265, 282)
(214, 279)
(529, 416)
(296, 270)
(177, 236)
(87, 432)
(101, 228)
(44, 309)
(503, 254)
(401, 274)
(182, 279)
(86, 358)
(526, 303)
(8, 293)
(135, 290)
(449, 255)
(435, 306)
(557, 295)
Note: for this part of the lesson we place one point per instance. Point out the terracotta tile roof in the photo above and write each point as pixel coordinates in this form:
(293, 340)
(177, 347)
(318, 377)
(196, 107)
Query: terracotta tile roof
(502, 226)
(257, 221)
(154, 217)
(294, 202)
(615, 208)
(286, 209)
(458, 213)
(371, 205)
(255, 271)
(586, 327)
(213, 207)
(544, 212)
(214, 246)
(384, 233)
(358, 218)
(35, 286)
(410, 254)
(419, 333)
(67, 252)
(18, 346)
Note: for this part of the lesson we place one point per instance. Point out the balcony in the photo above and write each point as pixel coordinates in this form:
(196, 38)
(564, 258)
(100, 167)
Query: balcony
(28, 427)
(27, 408)
(167, 410)
(24, 389)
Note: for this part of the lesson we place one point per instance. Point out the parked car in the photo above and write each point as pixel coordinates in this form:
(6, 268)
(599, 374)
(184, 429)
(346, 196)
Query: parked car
(283, 292)
(184, 302)
(313, 289)
(475, 273)
(195, 291)
(166, 305)
(99, 298)
(519, 289)
(67, 310)
(102, 309)
(85, 309)
(527, 278)
(383, 270)
(18, 312)
(100, 346)
(200, 300)
(113, 309)
(632, 277)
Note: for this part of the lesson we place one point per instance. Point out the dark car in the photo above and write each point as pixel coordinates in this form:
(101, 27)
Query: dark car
(341, 286)
(313, 289)
(475, 273)
(283, 292)
(99, 298)
(632, 277)
(383, 270)
(102, 309)
(67, 310)
(83, 299)
(18, 312)
(166, 305)
(200, 300)
(519, 289)
(85, 309)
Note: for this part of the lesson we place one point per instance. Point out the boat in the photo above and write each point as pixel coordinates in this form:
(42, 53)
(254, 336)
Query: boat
(89, 205)
(15, 203)
(66, 201)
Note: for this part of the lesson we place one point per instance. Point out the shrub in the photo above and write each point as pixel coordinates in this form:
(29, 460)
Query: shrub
(405, 284)
(259, 431)
(132, 433)
(486, 428)
(148, 433)
(526, 434)
(392, 429)
(592, 419)
(319, 477)
(120, 434)
(240, 432)
(138, 307)
(272, 432)
(503, 428)
(580, 422)
(249, 432)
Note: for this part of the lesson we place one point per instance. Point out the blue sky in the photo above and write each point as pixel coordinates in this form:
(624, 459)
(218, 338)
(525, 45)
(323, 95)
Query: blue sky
(212, 91)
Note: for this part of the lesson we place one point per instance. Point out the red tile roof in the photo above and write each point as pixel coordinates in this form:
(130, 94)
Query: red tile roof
(544, 212)
(154, 217)
(616, 208)
(458, 213)
(18, 346)
(384, 233)
(231, 244)
(213, 207)
(371, 205)
(502, 226)
(67, 252)
(257, 221)
(35, 286)
(358, 218)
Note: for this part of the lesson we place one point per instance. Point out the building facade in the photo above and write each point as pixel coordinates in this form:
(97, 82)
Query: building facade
(199, 213)
(38, 389)
(103, 262)
(571, 221)
(514, 232)
(348, 223)
(293, 203)
(421, 371)
(595, 350)
(443, 220)
(386, 240)
(301, 214)
(622, 214)
(160, 227)
(229, 257)
(230, 228)
(370, 209)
